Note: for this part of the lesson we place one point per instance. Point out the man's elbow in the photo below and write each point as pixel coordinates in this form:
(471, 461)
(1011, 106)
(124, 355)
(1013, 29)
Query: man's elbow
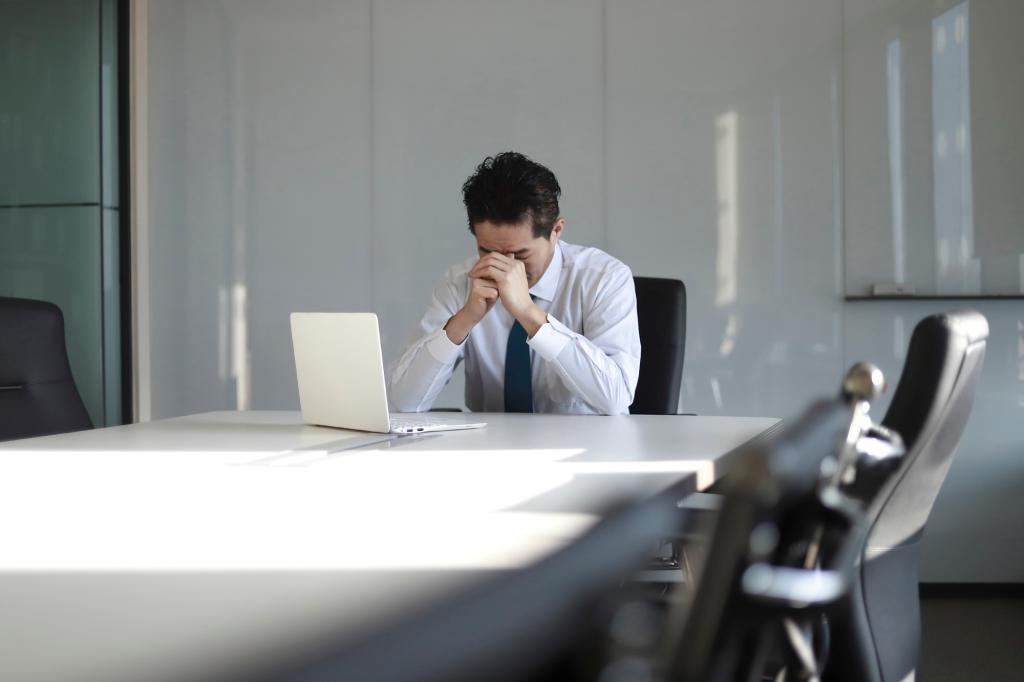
(402, 405)
(614, 408)
(621, 397)
(618, 401)
(401, 401)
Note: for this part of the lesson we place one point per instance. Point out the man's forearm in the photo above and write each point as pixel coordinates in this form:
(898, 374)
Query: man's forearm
(604, 378)
(596, 378)
(420, 374)
(532, 319)
(458, 327)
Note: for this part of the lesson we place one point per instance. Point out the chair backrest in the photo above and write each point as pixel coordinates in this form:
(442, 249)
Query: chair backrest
(510, 627)
(877, 632)
(754, 574)
(929, 410)
(661, 311)
(38, 396)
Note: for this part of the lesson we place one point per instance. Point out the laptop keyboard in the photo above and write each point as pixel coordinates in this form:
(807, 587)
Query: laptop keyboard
(413, 424)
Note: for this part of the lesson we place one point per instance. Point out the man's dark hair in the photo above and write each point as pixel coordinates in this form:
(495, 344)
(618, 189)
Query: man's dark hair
(508, 189)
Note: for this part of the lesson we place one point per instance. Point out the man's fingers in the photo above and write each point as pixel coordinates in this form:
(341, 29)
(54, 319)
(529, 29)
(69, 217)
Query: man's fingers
(488, 272)
(486, 260)
(484, 267)
(484, 285)
(486, 293)
(498, 260)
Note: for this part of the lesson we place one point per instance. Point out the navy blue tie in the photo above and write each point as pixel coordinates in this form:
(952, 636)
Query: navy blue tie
(518, 378)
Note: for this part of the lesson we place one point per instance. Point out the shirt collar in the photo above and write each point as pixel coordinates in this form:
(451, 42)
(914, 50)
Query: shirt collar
(547, 285)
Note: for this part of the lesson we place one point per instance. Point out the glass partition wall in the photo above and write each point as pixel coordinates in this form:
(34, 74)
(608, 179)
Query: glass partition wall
(61, 231)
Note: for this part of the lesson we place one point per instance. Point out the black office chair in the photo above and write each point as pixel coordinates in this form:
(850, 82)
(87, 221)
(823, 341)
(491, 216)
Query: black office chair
(38, 396)
(877, 632)
(757, 580)
(661, 309)
(786, 545)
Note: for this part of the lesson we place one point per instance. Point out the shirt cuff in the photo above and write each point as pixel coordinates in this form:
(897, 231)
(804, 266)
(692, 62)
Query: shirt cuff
(441, 347)
(550, 339)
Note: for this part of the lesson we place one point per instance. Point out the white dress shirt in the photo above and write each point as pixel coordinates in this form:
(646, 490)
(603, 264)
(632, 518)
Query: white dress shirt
(584, 360)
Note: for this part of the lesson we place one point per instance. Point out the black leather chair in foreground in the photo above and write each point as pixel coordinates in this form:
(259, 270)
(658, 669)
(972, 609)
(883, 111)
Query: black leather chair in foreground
(757, 576)
(661, 310)
(876, 636)
(38, 396)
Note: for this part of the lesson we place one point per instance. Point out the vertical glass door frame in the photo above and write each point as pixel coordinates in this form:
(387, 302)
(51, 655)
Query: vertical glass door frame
(136, 24)
(125, 258)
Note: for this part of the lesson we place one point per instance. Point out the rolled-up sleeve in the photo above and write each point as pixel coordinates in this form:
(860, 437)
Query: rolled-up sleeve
(600, 366)
(430, 358)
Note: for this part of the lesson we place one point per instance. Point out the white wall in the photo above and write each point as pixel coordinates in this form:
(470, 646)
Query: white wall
(308, 155)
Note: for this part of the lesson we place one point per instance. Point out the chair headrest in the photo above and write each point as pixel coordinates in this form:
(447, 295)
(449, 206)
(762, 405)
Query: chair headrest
(970, 323)
(31, 342)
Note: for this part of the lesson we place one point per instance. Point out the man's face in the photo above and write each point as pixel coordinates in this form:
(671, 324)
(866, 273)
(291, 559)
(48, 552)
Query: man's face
(517, 241)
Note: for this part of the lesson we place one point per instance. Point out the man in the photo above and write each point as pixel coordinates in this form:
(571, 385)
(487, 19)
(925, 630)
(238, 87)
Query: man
(543, 325)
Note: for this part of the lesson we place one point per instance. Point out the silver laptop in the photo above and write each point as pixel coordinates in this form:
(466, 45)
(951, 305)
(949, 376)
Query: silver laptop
(341, 377)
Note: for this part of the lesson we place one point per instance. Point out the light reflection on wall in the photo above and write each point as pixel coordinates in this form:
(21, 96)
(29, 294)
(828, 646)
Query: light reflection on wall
(957, 270)
(223, 333)
(241, 362)
(899, 337)
(778, 209)
(728, 344)
(726, 131)
(894, 82)
(1020, 353)
(241, 356)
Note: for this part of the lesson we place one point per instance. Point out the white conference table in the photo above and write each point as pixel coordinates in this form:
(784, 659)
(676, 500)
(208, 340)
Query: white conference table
(188, 547)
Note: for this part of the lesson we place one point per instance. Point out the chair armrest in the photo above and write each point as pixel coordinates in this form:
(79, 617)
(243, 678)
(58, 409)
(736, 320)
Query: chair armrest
(700, 502)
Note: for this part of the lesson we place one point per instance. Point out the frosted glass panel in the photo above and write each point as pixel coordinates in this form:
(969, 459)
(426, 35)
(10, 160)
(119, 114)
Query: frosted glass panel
(723, 167)
(260, 191)
(49, 146)
(53, 254)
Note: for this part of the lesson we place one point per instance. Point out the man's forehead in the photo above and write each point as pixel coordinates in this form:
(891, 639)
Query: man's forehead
(504, 237)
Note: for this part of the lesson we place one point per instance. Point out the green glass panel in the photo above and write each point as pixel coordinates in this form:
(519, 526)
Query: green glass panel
(53, 254)
(49, 102)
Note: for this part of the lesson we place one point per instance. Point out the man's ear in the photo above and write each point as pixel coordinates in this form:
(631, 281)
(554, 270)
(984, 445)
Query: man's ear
(556, 229)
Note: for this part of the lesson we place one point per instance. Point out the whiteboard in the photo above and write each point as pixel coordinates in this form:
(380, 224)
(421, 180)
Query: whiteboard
(933, 150)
